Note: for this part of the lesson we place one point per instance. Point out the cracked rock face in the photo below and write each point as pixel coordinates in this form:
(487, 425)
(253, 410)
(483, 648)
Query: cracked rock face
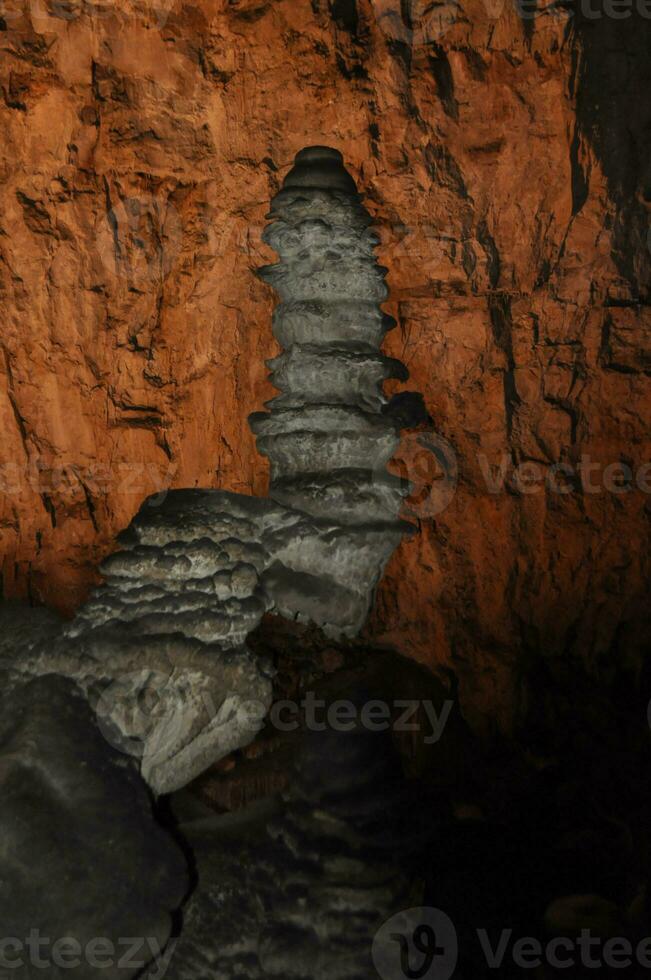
(327, 435)
(508, 174)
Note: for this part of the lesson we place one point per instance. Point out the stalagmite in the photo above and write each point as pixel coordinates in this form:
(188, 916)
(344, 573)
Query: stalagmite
(160, 648)
(328, 434)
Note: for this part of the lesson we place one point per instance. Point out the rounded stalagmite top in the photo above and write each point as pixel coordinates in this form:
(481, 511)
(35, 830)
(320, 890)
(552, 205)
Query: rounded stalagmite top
(320, 167)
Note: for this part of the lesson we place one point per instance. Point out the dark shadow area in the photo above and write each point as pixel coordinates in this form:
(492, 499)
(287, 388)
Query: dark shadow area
(612, 83)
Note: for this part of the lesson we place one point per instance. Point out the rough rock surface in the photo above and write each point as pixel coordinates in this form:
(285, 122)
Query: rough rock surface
(159, 649)
(81, 856)
(509, 837)
(304, 897)
(505, 159)
(168, 629)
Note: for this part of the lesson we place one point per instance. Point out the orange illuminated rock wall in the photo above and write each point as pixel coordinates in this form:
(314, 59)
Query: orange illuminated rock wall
(503, 152)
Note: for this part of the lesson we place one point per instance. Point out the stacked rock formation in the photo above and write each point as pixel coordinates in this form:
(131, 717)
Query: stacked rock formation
(328, 436)
(160, 648)
(167, 630)
(305, 897)
(190, 565)
(339, 843)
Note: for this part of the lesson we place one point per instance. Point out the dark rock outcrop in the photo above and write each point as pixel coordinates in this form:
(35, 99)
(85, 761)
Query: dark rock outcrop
(81, 856)
(301, 894)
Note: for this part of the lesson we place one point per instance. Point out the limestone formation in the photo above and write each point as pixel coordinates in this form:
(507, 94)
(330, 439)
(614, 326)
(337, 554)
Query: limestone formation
(160, 647)
(172, 679)
(303, 896)
(196, 571)
(510, 173)
(328, 434)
